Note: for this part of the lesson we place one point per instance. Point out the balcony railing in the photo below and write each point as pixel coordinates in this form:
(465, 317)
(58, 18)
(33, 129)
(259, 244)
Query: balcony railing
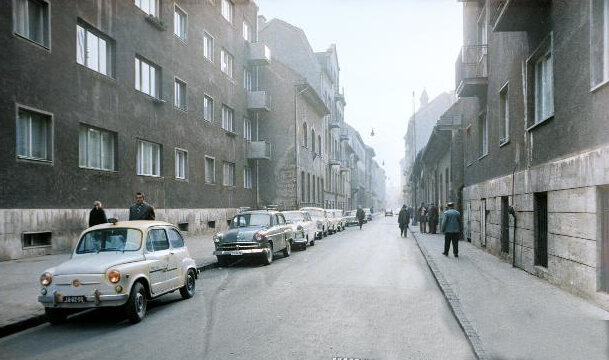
(259, 150)
(260, 54)
(471, 71)
(258, 100)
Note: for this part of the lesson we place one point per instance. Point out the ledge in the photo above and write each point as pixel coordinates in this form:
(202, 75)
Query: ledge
(542, 122)
(156, 22)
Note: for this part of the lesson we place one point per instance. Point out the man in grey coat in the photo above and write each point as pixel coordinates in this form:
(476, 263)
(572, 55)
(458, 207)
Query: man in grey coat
(451, 227)
(141, 210)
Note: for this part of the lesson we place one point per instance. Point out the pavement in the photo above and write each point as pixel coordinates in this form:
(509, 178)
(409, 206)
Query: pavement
(504, 312)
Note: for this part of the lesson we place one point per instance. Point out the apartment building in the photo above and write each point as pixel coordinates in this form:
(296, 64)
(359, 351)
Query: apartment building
(105, 99)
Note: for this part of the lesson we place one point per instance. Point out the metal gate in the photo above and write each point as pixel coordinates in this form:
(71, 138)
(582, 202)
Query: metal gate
(541, 229)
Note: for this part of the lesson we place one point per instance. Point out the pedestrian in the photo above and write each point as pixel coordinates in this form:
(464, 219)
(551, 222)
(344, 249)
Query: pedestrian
(403, 220)
(433, 218)
(451, 227)
(359, 214)
(422, 214)
(141, 210)
(97, 215)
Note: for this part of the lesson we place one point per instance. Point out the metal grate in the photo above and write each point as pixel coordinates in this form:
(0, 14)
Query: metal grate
(541, 229)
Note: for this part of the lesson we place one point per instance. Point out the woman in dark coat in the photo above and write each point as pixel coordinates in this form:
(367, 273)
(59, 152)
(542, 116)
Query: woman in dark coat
(97, 215)
(403, 220)
(433, 218)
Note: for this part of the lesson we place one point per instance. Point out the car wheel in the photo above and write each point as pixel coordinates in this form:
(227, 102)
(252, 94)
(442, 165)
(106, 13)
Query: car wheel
(304, 246)
(223, 260)
(288, 248)
(324, 232)
(268, 258)
(188, 290)
(136, 305)
(56, 316)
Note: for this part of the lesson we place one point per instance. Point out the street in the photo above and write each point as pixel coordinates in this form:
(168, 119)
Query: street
(357, 294)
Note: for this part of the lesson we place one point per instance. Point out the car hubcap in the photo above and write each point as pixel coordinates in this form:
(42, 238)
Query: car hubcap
(191, 282)
(140, 303)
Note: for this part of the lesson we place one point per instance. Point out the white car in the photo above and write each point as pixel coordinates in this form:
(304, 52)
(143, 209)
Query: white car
(304, 228)
(122, 265)
(337, 221)
(320, 217)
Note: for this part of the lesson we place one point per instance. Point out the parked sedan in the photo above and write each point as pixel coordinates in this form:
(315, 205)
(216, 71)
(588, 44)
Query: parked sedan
(255, 234)
(304, 228)
(122, 265)
(320, 217)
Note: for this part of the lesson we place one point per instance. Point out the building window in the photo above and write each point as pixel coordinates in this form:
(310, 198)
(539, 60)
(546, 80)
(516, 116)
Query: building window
(468, 145)
(179, 98)
(482, 134)
(305, 134)
(247, 31)
(181, 164)
(150, 7)
(302, 186)
(229, 174)
(180, 23)
(208, 47)
(227, 10)
(227, 118)
(226, 63)
(504, 114)
(319, 144)
(313, 140)
(208, 108)
(210, 170)
(35, 239)
(247, 80)
(544, 87)
(148, 158)
(32, 21)
(34, 136)
(247, 129)
(599, 42)
(94, 50)
(147, 77)
(97, 149)
(247, 178)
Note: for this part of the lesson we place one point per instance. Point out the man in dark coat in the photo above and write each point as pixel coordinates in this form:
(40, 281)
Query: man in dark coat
(422, 216)
(403, 220)
(141, 210)
(451, 227)
(433, 218)
(360, 215)
(97, 215)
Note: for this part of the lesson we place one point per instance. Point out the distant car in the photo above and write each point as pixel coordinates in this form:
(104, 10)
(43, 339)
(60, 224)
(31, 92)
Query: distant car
(257, 233)
(336, 219)
(122, 265)
(350, 218)
(304, 228)
(368, 214)
(320, 217)
(388, 212)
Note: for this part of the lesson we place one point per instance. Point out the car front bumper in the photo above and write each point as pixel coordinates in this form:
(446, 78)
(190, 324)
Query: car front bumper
(240, 252)
(97, 299)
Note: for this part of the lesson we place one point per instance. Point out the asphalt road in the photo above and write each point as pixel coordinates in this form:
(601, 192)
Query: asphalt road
(364, 294)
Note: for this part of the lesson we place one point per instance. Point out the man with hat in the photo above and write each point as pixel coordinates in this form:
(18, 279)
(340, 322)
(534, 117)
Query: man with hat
(451, 227)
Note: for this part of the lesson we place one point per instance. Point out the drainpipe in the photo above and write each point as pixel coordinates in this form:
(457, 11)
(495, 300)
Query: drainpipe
(512, 212)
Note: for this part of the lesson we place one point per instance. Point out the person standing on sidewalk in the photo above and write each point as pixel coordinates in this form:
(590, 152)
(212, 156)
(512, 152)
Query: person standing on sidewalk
(141, 210)
(97, 215)
(403, 220)
(451, 227)
(433, 218)
(422, 215)
(359, 215)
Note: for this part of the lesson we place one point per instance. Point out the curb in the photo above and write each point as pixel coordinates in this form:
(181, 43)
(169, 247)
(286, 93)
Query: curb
(455, 305)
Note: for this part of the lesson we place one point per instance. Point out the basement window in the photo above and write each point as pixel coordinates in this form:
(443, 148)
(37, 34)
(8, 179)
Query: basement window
(35, 239)
(211, 224)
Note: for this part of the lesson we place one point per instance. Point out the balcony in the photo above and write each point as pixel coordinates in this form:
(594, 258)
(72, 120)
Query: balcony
(334, 124)
(344, 135)
(259, 150)
(258, 101)
(518, 15)
(334, 161)
(260, 54)
(471, 71)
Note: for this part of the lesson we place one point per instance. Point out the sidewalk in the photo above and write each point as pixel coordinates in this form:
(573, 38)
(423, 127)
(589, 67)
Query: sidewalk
(507, 313)
(19, 306)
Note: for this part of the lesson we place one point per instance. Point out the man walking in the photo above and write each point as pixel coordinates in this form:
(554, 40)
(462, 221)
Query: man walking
(403, 220)
(451, 227)
(141, 210)
(359, 214)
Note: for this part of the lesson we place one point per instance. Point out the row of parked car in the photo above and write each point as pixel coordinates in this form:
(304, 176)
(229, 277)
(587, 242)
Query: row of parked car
(125, 264)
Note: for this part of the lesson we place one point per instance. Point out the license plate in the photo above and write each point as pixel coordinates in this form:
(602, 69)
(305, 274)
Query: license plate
(236, 252)
(74, 299)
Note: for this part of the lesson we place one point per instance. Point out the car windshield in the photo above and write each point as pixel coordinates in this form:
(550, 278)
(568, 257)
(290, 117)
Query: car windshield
(350, 213)
(113, 239)
(293, 216)
(316, 213)
(244, 220)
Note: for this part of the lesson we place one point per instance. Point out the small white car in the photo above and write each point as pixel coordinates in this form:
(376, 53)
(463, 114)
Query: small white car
(304, 228)
(120, 264)
(320, 217)
(337, 220)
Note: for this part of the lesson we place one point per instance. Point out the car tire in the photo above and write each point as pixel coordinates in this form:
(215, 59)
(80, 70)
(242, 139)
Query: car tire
(135, 308)
(268, 255)
(188, 290)
(312, 242)
(304, 246)
(56, 316)
(324, 232)
(288, 248)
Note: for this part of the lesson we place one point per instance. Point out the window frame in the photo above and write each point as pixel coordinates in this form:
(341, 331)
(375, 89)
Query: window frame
(209, 100)
(177, 12)
(109, 48)
(604, 39)
(210, 176)
(231, 176)
(181, 164)
(23, 29)
(544, 49)
(49, 132)
(482, 134)
(247, 178)
(180, 94)
(147, 10)
(84, 159)
(228, 122)
(226, 63)
(140, 171)
(208, 46)
(248, 34)
(247, 129)
(227, 9)
(504, 114)
(138, 76)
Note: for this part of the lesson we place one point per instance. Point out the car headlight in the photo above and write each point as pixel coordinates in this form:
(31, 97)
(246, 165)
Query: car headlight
(259, 236)
(217, 238)
(114, 276)
(299, 228)
(46, 279)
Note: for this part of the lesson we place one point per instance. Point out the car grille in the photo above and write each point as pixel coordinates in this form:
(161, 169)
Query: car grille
(237, 246)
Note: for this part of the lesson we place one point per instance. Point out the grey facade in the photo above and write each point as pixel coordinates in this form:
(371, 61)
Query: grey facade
(62, 108)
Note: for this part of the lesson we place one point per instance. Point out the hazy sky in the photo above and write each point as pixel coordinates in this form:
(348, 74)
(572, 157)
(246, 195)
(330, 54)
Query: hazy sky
(386, 50)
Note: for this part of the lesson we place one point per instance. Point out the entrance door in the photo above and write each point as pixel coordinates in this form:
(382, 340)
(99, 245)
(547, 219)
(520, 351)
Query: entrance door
(468, 221)
(483, 222)
(505, 228)
(605, 241)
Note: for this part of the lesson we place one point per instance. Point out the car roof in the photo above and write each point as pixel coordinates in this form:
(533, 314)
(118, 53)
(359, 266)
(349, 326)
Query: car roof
(269, 212)
(134, 224)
